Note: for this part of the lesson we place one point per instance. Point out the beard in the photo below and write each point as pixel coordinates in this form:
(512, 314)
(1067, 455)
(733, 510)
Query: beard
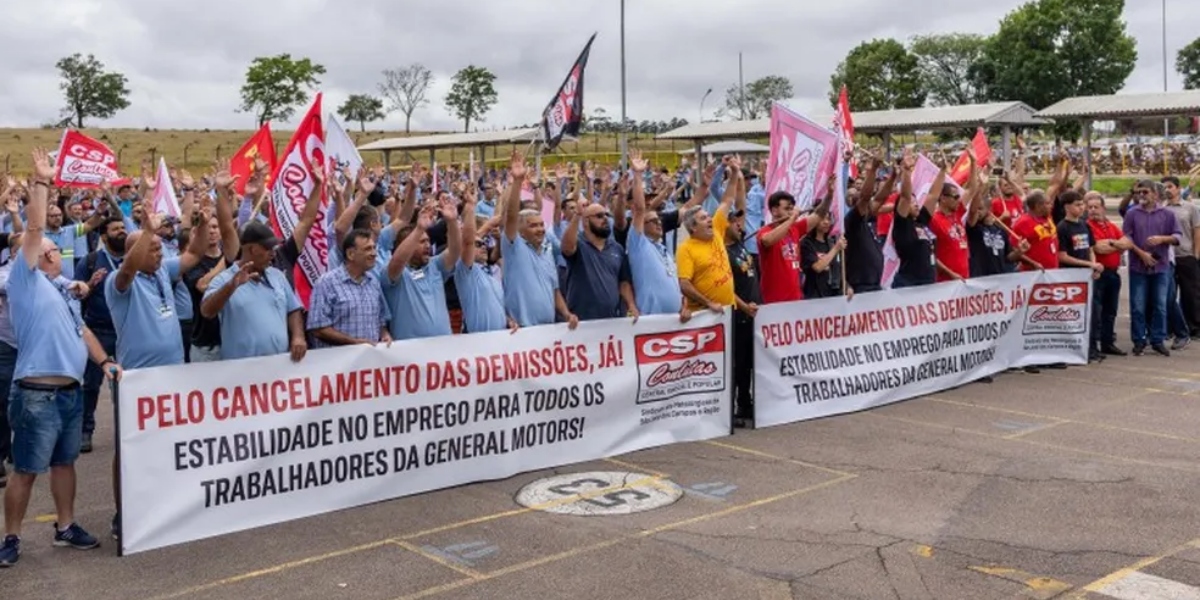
(116, 244)
(602, 231)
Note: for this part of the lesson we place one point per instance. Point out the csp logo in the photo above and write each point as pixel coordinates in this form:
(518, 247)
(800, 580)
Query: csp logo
(677, 363)
(1061, 308)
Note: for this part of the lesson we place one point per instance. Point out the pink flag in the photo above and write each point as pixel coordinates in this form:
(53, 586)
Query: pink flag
(165, 202)
(802, 156)
(923, 175)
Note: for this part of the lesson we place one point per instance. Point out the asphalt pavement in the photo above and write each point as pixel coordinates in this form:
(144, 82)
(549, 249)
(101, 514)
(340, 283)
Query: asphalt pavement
(1075, 484)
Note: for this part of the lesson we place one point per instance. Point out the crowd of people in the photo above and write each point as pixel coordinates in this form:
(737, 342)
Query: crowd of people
(96, 281)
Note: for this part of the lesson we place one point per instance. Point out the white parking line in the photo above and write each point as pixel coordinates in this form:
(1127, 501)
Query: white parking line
(1140, 586)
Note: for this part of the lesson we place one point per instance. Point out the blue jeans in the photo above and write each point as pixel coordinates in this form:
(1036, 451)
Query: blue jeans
(1105, 300)
(1176, 324)
(47, 427)
(93, 378)
(8, 362)
(1148, 307)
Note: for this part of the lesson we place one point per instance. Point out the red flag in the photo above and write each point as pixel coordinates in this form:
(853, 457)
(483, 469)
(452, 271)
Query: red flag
(845, 121)
(983, 154)
(260, 145)
(83, 162)
(292, 184)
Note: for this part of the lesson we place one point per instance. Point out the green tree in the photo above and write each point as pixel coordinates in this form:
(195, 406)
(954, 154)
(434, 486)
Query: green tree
(760, 94)
(472, 94)
(361, 108)
(947, 63)
(879, 75)
(89, 90)
(276, 85)
(1049, 50)
(1187, 62)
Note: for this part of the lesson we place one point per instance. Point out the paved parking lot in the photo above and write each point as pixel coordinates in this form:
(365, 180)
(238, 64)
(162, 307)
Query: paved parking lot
(1077, 484)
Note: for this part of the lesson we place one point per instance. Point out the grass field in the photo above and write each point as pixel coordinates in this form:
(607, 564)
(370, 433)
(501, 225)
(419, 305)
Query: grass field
(196, 150)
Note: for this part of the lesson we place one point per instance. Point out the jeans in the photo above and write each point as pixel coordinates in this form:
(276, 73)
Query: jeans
(1148, 307)
(93, 378)
(1105, 301)
(46, 427)
(1187, 276)
(1176, 324)
(202, 354)
(8, 362)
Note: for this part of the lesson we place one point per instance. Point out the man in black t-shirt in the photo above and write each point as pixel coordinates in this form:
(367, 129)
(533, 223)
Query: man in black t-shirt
(746, 289)
(1075, 242)
(863, 254)
(914, 245)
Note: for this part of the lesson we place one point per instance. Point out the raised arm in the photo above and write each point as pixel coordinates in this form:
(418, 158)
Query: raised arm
(226, 194)
(312, 206)
(408, 246)
(35, 211)
(638, 164)
(453, 249)
(512, 201)
(468, 229)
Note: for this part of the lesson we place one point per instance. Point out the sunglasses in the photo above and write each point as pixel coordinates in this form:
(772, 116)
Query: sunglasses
(479, 244)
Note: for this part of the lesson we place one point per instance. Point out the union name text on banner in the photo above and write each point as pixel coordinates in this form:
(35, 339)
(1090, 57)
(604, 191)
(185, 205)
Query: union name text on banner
(832, 356)
(214, 448)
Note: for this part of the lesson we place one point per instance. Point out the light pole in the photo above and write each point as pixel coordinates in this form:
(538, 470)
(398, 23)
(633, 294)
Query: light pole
(702, 104)
(1166, 120)
(624, 133)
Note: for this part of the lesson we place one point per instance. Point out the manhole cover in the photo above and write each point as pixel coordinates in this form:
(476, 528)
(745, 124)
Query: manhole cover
(600, 493)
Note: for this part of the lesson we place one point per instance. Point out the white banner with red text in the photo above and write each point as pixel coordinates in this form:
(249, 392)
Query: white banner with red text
(213, 448)
(816, 358)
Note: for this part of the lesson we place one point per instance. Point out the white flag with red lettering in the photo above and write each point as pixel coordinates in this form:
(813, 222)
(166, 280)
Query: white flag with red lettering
(293, 183)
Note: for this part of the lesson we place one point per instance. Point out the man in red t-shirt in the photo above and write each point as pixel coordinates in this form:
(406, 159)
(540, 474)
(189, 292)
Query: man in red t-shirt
(779, 247)
(1037, 228)
(1110, 243)
(1008, 207)
(883, 220)
(950, 246)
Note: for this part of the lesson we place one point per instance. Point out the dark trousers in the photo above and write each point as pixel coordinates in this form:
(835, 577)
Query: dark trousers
(1187, 276)
(8, 362)
(93, 378)
(743, 366)
(185, 331)
(1106, 297)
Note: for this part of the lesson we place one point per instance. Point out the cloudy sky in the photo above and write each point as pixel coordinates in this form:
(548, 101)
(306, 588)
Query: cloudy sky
(185, 65)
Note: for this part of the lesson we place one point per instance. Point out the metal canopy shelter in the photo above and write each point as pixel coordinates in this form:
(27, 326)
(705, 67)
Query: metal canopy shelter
(884, 122)
(731, 147)
(433, 143)
(1088, 109)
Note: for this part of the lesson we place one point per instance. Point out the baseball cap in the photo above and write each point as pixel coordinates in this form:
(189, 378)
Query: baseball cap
(255, 232)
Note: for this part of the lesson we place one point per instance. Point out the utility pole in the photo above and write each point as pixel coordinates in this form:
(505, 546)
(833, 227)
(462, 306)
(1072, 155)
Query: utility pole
(1166, 120)
(742, 86)
(624, 133)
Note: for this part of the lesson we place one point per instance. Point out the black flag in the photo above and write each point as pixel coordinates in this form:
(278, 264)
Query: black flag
(564, 114)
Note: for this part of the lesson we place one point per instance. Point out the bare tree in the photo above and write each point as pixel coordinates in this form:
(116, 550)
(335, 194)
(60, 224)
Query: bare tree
(405, 89)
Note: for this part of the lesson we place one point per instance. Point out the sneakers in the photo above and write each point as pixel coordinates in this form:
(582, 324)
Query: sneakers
(116, 527)
(1112, 350)
(1095, 355)
(74, 537)
(1160, 349)
(1139, 349)
(1181, 343)
(1033, 370)
(85, 444)
(10, 552)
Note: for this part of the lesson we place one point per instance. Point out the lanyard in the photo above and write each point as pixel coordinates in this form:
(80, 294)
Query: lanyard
(65, 294)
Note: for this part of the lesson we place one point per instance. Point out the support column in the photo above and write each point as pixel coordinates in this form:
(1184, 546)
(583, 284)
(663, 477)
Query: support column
(1087, 153)
(1006, 147)
(387, 160)
(887, 147)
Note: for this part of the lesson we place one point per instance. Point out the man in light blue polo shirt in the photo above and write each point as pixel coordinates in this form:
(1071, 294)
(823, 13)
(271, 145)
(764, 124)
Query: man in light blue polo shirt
(65, 235)
(479, 290)
(531, 293)
(650, 263)
(416, 285)
(260, 314)
(54, 345)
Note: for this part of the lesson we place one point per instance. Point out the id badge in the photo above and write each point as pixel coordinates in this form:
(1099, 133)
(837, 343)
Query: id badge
(164, 311)
(418, 275)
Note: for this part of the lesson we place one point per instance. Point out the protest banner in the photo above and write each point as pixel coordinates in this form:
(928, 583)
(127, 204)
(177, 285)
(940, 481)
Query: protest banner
(83, 162)
(830, 356)
(802, 157)
(213, 448)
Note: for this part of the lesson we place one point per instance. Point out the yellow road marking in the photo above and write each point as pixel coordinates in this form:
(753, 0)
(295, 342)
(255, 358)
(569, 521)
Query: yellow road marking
(1063, 420)
(629, 465)
(454, 585)
(472, 573)
(1113, 457)
(1120, 574)
(1040, 587)
(1021, 434)
(754, 452)
(50, 518)
(923, 551)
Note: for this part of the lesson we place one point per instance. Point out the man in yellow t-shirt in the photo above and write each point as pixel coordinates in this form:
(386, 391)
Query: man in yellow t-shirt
(705, 277)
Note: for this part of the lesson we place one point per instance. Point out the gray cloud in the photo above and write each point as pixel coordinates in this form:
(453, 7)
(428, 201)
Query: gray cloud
(185, 64)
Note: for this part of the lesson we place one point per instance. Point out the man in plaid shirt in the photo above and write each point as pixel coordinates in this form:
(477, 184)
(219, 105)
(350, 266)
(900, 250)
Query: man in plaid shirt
(348, 306)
